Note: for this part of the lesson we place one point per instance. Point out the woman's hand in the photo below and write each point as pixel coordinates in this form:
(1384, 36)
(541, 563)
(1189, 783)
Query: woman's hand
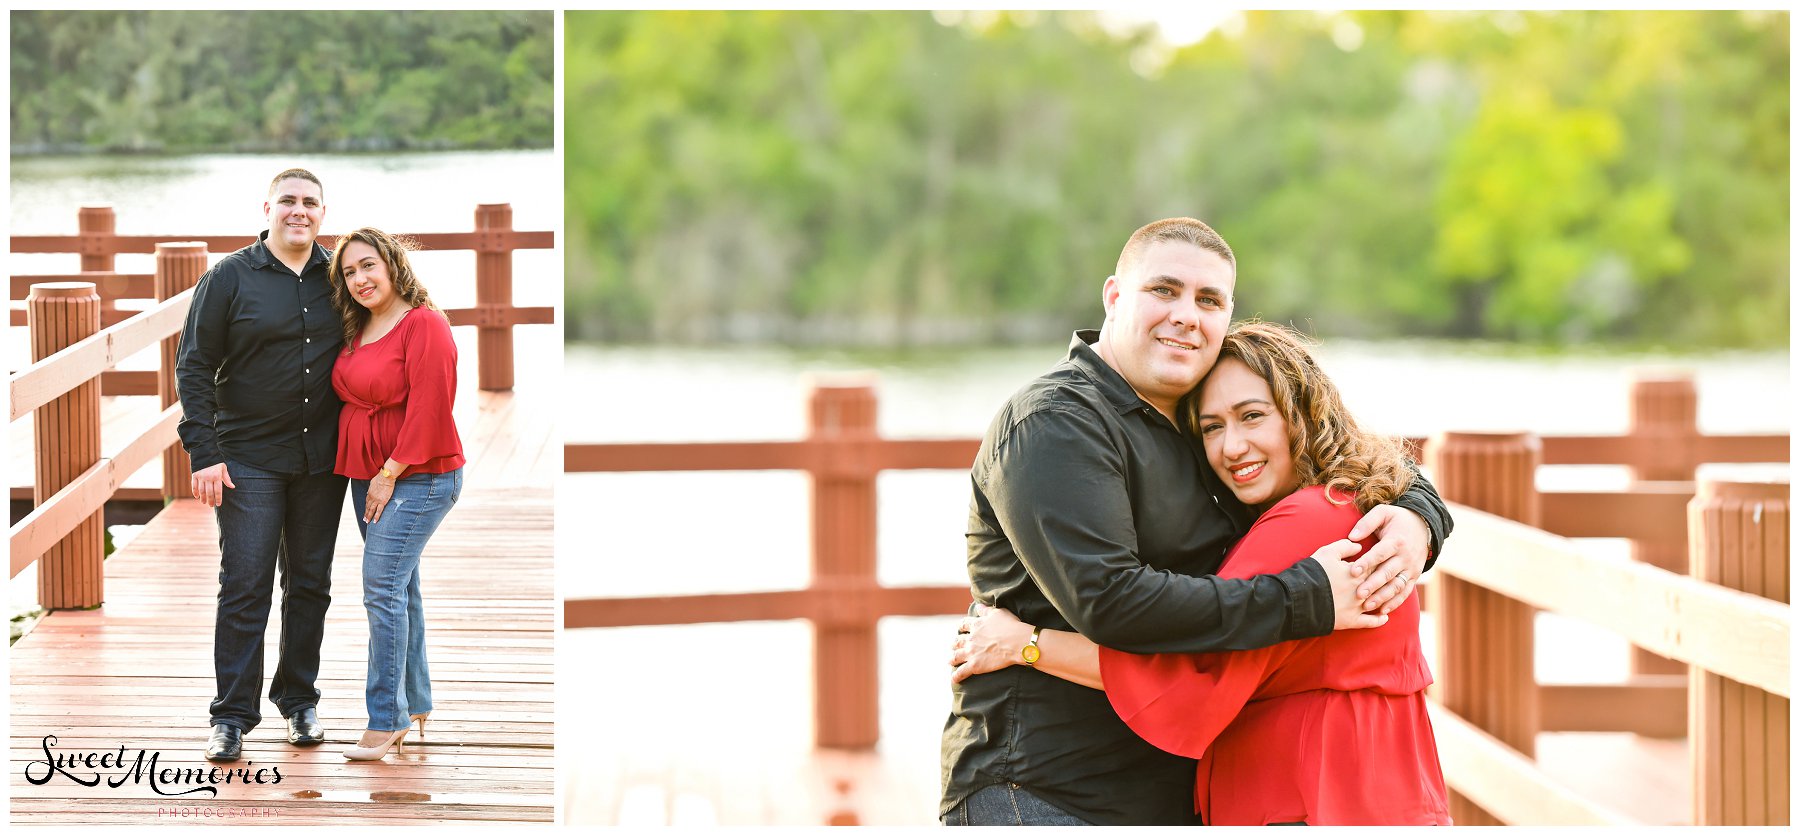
(381, 489)
(988, 641)
(1395, 563)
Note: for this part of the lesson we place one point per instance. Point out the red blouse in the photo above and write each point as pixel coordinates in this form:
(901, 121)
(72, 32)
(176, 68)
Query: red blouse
(398, 392)
(1329, 730)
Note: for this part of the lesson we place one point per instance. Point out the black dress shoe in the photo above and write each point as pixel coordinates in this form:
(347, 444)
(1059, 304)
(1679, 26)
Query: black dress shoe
(225, 745)
(304, 728)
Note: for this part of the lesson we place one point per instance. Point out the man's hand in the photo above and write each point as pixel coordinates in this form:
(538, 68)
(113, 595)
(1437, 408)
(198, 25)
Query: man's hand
(1397, 559)
(986, 642)
(1350, 607)
(208, 484)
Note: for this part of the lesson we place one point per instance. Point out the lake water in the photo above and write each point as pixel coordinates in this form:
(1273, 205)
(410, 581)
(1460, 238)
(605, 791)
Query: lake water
(222, 194)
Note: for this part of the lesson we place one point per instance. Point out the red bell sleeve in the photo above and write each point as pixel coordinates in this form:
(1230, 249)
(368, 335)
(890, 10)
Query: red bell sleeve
(428, 431)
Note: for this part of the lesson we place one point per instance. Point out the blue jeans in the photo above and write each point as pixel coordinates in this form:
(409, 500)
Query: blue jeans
(399, 683)
(270, 521)
(1007, 804)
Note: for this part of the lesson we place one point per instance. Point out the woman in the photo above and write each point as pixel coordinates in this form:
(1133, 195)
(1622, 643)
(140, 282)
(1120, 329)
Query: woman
(398, 444)
(1324, 731)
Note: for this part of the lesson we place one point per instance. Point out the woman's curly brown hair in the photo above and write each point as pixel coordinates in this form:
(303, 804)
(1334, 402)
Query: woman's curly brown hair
(392, 250)
(1329, 448)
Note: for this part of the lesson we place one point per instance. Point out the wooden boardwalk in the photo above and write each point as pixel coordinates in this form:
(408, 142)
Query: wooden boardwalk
(137, 672)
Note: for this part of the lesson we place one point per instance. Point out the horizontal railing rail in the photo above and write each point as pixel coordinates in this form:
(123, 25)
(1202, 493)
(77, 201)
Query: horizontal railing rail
(53, 376)
(1735, 634)
(492, 241)
(59, 515)
(1506, 783)
(481, 241)
(61, 373)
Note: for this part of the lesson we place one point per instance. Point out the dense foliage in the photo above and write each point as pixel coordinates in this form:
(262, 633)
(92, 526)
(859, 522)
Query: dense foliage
(899, 178)
(281, 80)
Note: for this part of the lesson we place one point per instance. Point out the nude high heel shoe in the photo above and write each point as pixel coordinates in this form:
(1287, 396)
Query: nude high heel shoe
(394, 741)
(420, 719)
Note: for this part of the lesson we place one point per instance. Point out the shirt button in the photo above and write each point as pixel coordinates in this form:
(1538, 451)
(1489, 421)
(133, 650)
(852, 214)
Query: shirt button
(309, 371)
(303, 429)
(309, 339)
(304, 310)
(306, 400)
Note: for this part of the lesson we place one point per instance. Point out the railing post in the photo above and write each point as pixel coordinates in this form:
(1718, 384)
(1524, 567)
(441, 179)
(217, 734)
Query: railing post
(845, 687)
(493, 295)
(96, 225)
(1485, 639)
(178, 267)
(66, 442)
(1664, 422)
(1738, 734)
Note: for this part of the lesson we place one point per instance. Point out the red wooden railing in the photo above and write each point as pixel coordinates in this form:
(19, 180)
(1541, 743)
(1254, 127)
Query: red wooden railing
(843, 454)
(493, 242)
(1494, 576)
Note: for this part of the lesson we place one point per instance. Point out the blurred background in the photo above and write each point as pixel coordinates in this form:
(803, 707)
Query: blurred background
(1494, 221)
(913, 179)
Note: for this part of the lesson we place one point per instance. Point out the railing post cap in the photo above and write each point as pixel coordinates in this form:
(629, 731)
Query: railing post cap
(179, 246)
(1757, 491)
(1662, 376)
(824, 381)
(62, 290)
(1522, 437)
(96, 207)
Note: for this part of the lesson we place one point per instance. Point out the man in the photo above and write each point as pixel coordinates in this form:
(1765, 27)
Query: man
(1093, 512)
(260, 424)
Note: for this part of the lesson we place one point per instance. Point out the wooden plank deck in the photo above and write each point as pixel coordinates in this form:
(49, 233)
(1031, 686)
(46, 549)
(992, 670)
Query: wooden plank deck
(137, 673)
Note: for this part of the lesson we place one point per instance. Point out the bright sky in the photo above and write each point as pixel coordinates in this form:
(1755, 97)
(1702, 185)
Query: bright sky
(1181, 25)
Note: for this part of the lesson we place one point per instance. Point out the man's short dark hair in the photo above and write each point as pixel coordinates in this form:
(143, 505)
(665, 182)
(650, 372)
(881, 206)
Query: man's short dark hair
(1172, 229)
(297, 174)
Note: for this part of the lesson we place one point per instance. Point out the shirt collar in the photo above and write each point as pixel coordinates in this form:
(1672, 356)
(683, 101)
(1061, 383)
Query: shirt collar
(1111, 384)
(261, 257)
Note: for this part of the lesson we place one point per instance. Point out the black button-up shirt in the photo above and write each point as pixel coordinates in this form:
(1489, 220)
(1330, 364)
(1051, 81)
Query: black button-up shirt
(254, 368)
(1092, 512)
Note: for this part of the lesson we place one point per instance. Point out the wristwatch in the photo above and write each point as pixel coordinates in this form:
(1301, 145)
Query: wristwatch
(1030, 652)
(388, 473)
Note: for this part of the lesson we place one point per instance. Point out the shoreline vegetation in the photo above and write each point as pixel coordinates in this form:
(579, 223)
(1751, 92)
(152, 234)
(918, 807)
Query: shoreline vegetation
(46, 150)
(891, 178)
(168, 82)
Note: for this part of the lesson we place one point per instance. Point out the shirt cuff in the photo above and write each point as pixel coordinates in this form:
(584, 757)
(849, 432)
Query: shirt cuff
(199, 460)
(1309, 609)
